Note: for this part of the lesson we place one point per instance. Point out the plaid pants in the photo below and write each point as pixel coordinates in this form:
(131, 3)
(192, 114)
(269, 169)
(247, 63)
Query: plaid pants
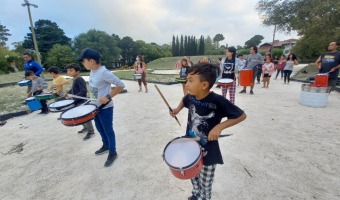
(232, 90)
(202, 183)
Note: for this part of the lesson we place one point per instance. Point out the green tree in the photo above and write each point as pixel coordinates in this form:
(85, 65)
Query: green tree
(3, 35)
(239, 47)
(173, 46)
(244, 51)
(129, 49)
(47, 34)
(201, 46)
(254, 41)
(150, 51)
(102, 42)
(7, 56)
(277, 52)
(317, 22)
(218, 37)
(208, 43)
(60, 56)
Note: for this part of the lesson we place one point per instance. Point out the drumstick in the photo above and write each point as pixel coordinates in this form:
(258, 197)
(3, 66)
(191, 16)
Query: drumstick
(79, 97)
(160, 93)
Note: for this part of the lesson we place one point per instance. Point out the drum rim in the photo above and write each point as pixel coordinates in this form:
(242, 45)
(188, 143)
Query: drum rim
(225, 79)
(60, 107)
(95, 110)
(186, 167)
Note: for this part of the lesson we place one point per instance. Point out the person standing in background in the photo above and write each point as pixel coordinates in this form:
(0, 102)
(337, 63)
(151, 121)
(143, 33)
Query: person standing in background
(291, 61)
(140, 68)
(252, 61)
(330, 62)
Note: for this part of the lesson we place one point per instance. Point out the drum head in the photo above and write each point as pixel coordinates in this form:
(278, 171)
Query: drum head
(62, 103)
(182, 152)
(225, 80)
(78, 111)
(30, 98)
(24, 81)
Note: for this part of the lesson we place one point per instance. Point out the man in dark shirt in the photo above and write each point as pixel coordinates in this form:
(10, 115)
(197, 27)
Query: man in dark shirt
(329, 62)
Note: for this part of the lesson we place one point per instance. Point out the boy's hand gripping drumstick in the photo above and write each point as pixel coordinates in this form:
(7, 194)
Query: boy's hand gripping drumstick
(160, 93)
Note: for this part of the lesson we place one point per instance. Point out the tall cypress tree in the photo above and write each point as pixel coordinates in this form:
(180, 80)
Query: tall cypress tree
(173, 46)
(181, 47)
(186, 45)
(177, 46)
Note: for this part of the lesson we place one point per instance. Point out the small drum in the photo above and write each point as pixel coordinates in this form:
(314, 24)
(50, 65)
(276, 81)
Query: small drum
(181, 80)
(137, 76)
(225, 82)
(79, 115)
(184, 157)
(24, 83)
(61, 105)
(246, 77)
(321, 80)
(46, 96)
(33, 103)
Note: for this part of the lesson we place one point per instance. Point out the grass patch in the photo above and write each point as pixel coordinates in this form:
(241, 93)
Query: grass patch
(311, 71)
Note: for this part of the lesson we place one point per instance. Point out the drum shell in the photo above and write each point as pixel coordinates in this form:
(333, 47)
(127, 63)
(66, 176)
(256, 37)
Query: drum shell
(78, 120)
(225, 84)
(246, 77)
(187, 172)
(137, 76)
(321, 80)
(181, 80)
(45, 96)
(33, 104)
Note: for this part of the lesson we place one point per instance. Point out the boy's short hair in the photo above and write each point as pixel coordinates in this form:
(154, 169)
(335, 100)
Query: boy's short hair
(73, 66)
(29, 73)
(206, 71)
(53, 69)
(239, 55)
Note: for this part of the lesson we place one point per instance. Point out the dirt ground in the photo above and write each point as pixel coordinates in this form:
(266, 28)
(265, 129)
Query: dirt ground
(283, 150)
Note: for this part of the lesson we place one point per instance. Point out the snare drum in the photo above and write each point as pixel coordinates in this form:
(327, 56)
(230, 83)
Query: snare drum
(225, 82)
(79, 115)
(33, 103)
(24, 83)
(246, 77)
(184, 157)
(46, 96)
(137, 76)
(61, 105)
(321, 80)
(181, 80)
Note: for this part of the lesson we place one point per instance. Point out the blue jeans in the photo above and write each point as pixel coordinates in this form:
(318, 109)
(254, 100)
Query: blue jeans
(103, 122)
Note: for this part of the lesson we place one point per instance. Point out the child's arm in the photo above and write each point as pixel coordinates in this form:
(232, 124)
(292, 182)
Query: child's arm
(175, 111)
(216, 131)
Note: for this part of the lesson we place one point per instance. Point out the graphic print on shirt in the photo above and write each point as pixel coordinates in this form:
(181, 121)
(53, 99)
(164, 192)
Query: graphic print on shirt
(228, 68)
(328, 59)
(197, 124)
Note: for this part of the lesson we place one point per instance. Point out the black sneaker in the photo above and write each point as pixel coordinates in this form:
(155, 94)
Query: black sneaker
(251, 92)
(88, 135)
(102, 151)
(110, 159)
(192, 198)
(243, 91)
(84, 130)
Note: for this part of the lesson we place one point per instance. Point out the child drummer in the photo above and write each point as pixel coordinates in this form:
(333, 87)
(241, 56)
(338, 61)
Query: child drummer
(58, 82)
(79, 89)
(38, 85)
(206, 110)
(228, 66)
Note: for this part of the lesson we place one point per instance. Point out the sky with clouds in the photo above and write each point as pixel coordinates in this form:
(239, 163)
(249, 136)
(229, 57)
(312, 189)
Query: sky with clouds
(149, 20)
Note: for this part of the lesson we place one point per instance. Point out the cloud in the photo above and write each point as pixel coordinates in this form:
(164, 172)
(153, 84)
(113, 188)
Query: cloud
(148, 20)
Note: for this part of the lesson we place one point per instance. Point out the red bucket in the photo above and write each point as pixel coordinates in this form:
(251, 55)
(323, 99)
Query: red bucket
(246, 77)
(321, 80)
(184, 157)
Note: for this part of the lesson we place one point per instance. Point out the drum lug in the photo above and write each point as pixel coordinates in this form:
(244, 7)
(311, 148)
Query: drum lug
(182, 171)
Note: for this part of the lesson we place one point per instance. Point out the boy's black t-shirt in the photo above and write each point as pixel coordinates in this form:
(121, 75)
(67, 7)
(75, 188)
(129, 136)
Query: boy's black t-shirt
(79, 89)
(204, 115)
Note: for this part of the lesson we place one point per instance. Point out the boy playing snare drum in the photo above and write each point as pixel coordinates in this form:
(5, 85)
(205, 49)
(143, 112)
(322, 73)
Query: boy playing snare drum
(206, 110)
(38, 85)
(58, 82)
(79, 89)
